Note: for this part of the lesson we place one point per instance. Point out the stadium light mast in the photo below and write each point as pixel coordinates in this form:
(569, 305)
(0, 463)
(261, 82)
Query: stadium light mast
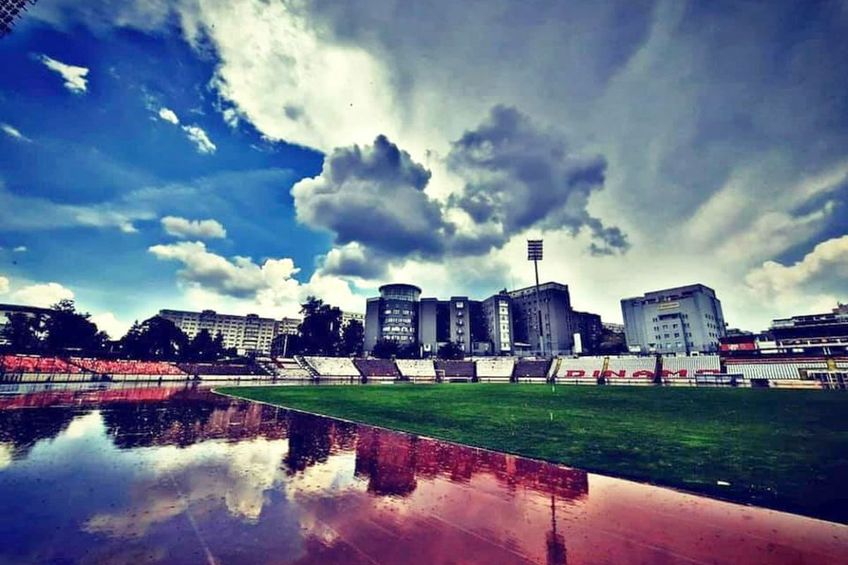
(534, 253)
(10, 10)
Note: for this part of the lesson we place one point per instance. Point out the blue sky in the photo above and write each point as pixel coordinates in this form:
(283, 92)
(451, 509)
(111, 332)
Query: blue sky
(327, 149)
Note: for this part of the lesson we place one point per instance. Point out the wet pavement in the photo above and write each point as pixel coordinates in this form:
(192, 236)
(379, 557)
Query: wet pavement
(179, 475)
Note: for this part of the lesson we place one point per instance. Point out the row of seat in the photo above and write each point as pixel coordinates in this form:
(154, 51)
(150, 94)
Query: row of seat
(219, 369)
(36, 364)
(126, 367)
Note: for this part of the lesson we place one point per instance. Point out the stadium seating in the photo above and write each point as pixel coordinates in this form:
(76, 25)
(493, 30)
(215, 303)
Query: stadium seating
(35, 364)
(290, 368)
(531, 369)
(127, 367)
(456, 370)
(495, 369)
(222, 369)
(682, 371)
(333, 366)
(583, 370)
(377, 369)
(417, 370)
(772, 369)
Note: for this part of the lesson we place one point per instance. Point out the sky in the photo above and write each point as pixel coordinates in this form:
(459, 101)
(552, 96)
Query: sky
(243, 155)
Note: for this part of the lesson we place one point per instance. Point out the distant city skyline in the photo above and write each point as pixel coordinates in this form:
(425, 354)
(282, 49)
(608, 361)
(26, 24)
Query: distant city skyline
(241, 156)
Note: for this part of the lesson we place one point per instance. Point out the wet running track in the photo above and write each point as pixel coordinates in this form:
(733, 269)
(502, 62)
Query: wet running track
(179, 475)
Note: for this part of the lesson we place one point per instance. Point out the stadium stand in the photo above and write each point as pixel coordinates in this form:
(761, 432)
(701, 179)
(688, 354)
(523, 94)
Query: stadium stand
(583, 370)
(630, 370)
(417, 370)
(377, 369)
(221, 369)
(531, 370)
(333, 366)
(772, 369)
(36, 364)
(682, 371)
(495, 369)
(456, 370)
(128, 367)
(290, 369)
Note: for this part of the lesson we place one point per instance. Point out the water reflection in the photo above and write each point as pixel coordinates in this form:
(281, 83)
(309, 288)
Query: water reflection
(178, 475)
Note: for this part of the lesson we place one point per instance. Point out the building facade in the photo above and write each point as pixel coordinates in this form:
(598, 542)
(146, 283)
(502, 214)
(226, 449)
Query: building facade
(682, 320)
(565, 330)
(392, 316)
(503, 324)
(247, 334)
(7, 310)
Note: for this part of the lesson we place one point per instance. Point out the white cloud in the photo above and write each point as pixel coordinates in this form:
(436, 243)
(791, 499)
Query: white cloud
(14, 132)
(109, 323)
(822, 270)
(280, 73)
(75, 77)
(200, 139)
(4, 285)
(41, 294)
(169, 116)
(239, 285)
(20, 249)
(202, 229)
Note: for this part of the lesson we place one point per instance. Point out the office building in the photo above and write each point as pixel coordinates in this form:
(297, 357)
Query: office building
(680, 320)
(562, 324)
(247, 334)
(399, 314)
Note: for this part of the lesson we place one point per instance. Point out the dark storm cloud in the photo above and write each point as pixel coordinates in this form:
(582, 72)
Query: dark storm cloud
(516, 175)
(374, 196)
(519, 176)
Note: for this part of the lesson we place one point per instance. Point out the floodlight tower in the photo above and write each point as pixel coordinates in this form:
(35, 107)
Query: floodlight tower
(10, 10)
(534, 253)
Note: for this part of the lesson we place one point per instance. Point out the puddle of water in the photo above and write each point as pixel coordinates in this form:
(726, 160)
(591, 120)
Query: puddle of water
(177, 475)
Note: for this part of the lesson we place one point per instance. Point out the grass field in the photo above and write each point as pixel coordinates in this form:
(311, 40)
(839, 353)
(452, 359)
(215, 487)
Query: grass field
(782, 449)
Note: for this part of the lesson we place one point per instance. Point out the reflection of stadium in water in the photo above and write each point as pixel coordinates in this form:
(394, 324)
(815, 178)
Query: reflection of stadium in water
(171, 474)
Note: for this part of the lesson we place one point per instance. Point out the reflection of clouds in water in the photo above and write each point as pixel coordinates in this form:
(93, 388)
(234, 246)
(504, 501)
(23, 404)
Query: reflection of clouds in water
(200, 475)
(85, 426)
(332, 476)
(6, 451)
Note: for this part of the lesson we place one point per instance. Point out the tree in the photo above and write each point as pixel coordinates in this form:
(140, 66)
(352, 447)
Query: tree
(451, 350)
(409, 351)
(155, 338)
(65, 329)
(320, 330)
(385, 349)
(23, 333)
(204, 347)
(353, 339)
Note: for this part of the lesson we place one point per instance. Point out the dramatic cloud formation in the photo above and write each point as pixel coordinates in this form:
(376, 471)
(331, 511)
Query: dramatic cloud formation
(518, 177)
(4, 285)
(824, 270)
(201, 229)
(74, 77)
(13, 132)
(374, 198)
(712, 130)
